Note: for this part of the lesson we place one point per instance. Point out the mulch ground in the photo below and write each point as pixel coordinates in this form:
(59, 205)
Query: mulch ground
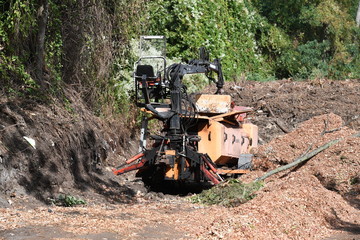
(319, 199)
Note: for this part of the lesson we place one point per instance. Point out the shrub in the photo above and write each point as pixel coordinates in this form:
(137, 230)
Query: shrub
(312, 60)
(227, 29)
(68, 201)
(229, 193)
(325, 40)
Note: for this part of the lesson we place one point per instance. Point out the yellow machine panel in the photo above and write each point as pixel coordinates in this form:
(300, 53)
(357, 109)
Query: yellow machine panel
(224, 142)
(252, 132)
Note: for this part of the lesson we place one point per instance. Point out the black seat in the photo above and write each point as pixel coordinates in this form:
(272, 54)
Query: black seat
(147, 70)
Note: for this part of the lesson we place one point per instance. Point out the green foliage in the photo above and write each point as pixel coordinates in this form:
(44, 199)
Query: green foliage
(263, 39)
(325, 40)
(340, 31)
(226, 28)
(67, 200)
(86, 44)
(89, 44)
(309, 60)
(16, 21)
(54, 42)
(230, 193)
(14, 77)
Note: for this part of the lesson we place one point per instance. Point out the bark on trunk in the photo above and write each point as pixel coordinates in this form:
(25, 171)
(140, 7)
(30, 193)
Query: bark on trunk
(43, 14)
(358, 16)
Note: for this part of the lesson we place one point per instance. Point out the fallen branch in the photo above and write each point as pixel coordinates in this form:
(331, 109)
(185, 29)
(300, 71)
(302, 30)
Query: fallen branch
(299, 160)
(306, 156)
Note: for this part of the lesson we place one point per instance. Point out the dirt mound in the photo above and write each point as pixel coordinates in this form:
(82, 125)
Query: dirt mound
(295, 207)
(49, 149)
(337, 168)
(313, 200)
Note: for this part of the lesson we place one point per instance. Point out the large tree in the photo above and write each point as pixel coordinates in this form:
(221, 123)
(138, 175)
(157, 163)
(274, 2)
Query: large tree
(42, 18)
(358, 16)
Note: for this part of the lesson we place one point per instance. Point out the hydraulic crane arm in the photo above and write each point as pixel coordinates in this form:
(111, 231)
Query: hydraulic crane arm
(178, 71)
(175, 74)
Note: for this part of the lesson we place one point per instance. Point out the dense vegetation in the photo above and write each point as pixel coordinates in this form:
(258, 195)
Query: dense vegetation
(47, 45)
(86, 44)
(263, 39)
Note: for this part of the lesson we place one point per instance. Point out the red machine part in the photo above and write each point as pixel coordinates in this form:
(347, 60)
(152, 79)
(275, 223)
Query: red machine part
(130, 168)
(134, 158)
(241, 116)
(210, 175)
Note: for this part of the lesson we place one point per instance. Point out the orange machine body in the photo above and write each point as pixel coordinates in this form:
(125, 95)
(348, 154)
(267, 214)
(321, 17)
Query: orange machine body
(225, 134)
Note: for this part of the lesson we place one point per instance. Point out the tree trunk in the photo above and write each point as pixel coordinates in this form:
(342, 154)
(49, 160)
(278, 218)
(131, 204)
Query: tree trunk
(43, 14)
(358, 16)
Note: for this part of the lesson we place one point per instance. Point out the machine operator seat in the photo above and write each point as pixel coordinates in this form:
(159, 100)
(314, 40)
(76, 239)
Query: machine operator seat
(147, 82)
(147, 70)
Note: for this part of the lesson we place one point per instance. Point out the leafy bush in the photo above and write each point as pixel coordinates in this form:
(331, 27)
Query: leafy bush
(229, 193)
(88, 44)
(227, 29)
(312, 60)
(16, 22)
(325, 40)
(14, 78)
(68, 201)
